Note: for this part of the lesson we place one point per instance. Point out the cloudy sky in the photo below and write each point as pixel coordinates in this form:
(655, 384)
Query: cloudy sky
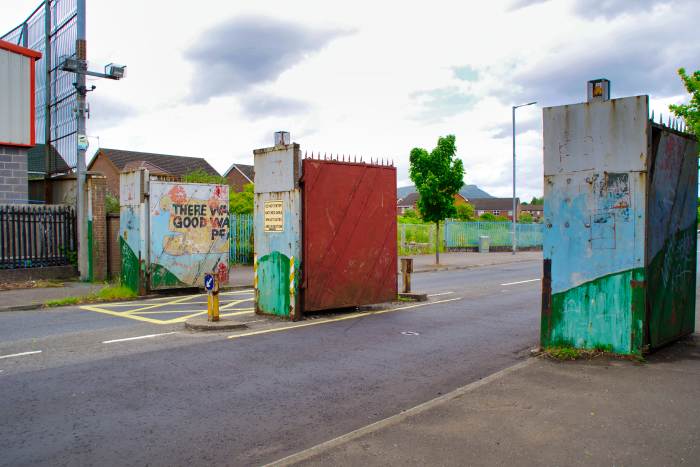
(217, 78)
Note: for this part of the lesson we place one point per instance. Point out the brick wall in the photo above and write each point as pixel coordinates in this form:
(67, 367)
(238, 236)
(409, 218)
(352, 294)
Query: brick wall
(106, 168)
(114, 256)
(13, 175)
(236, 180)
(97, 186)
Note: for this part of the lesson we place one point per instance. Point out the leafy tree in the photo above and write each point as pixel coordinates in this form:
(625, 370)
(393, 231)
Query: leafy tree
(536, 200)
(465, 212)
(242, 202)
(690, 112)
(111, 204)
(487, 216)
(200, 176)
(525, 218)
(438, 175)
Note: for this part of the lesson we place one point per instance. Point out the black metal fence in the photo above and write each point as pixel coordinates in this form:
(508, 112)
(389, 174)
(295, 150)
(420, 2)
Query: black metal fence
(37, 236)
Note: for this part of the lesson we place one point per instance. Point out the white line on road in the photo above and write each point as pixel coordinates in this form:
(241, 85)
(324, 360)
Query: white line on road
(438, 294)
(139, 337)
(21, 354)
(520, 282)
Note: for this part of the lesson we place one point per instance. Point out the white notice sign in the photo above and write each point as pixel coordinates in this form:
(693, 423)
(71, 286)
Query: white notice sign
(274, 217)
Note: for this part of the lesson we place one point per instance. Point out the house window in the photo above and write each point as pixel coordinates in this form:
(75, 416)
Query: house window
(496, 213)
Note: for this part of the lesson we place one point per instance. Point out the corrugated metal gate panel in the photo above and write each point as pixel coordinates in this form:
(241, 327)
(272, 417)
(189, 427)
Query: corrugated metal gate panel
(672, 238)
(349, 234)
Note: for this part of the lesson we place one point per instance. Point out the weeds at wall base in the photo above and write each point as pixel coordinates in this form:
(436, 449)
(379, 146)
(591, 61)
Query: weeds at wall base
(570, 354)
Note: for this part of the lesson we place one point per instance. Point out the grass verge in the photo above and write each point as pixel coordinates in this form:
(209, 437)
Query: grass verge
(106, 294)
(571, 353)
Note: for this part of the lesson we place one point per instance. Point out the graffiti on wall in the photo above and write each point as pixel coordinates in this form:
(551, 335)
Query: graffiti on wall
(189, 233)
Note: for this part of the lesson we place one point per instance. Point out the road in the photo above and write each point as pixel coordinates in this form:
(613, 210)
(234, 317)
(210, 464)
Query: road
(100, 393)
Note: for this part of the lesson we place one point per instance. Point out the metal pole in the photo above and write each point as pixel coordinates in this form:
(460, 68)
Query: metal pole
(47, 93)
(81, 52)
(514, 216)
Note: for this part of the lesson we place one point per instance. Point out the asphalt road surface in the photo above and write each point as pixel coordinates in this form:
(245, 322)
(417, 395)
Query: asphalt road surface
(86, 387)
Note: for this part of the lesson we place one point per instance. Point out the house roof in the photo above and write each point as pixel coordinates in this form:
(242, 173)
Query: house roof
(152, 168)
(248, 171)
(493, 204)
(532, 207)
(172, 165)
(409, 200)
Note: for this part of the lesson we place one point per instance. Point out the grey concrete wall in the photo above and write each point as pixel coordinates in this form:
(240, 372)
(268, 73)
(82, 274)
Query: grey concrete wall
(13, 175)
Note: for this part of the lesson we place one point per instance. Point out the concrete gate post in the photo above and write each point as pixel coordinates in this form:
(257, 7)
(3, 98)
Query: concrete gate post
(277, 230)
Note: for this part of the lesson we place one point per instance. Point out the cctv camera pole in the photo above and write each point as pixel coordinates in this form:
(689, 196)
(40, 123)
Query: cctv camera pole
(81, 215)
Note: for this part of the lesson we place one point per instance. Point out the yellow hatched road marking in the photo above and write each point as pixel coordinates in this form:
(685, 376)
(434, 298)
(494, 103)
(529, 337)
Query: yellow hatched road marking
(341, 318)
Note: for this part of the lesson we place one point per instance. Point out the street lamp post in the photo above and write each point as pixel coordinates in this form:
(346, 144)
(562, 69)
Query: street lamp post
(514, 212)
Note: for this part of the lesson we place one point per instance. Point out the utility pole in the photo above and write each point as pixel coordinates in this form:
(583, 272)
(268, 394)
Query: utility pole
(78, 65)
(81, 215)
(515, 214)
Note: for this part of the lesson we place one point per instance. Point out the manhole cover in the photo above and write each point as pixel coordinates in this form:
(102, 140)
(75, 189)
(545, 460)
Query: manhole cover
(410, 333)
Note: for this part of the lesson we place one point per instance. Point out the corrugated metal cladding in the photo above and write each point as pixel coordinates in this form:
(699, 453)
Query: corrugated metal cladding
(277, 217)
(349, 234)
(603, 208)
(16, 119)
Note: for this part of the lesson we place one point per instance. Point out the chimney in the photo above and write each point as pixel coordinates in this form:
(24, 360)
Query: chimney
(598, 90)
(282, 138)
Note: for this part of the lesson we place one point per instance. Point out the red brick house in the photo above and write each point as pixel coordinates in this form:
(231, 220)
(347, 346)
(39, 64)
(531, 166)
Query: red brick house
(110, 162)
(238, 175)
(495, 206)
(410, 201)
(535, 210)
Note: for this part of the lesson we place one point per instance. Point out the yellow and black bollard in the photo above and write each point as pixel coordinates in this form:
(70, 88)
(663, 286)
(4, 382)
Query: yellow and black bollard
(211, 284)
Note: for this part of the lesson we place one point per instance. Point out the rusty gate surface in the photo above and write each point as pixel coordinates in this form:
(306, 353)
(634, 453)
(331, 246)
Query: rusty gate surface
(349, 234)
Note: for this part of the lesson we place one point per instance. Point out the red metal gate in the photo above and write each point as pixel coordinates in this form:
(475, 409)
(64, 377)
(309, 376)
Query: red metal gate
(349, 234)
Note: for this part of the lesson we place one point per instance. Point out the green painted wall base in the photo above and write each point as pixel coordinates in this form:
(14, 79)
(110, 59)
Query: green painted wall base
(130, 266)
(605, 313)
(272, 295)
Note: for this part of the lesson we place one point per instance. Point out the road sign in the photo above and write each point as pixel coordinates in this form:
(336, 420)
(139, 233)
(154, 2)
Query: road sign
(209, 282)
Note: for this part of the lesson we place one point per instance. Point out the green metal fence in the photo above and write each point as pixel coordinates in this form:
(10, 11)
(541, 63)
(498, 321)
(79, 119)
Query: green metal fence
(241, 238)
(466, 234)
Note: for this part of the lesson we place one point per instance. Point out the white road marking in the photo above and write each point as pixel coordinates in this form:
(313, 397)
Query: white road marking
(438, 294)
(139, 337)
(21, 354)
(521, 282)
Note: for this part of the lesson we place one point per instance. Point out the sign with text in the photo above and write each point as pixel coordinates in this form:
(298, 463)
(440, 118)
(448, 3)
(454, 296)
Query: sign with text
(274, 216)
(189, 224)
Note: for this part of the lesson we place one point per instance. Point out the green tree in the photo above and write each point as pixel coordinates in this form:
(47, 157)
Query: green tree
(438, 175)
(536, 200)
(111, 204)
(487, 216)
(465, 212)
(690, 112)
(525, 218)
(200, 176)
(241, 202)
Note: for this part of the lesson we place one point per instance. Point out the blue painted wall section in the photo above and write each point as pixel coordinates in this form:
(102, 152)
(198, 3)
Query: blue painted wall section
(619, 237)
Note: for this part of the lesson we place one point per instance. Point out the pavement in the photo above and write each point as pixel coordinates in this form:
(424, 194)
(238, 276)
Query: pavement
(467, 260)
(19, 299)
(242, 276)
(542, 412)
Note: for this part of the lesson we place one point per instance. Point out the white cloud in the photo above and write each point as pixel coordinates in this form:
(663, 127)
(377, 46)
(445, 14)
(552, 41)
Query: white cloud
(371, 78)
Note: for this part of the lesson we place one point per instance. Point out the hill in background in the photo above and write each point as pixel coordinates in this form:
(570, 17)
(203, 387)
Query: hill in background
(468, 191)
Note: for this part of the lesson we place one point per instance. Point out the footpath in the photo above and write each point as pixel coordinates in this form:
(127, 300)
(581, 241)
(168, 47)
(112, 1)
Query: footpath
(544, 412)
(242, 276)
